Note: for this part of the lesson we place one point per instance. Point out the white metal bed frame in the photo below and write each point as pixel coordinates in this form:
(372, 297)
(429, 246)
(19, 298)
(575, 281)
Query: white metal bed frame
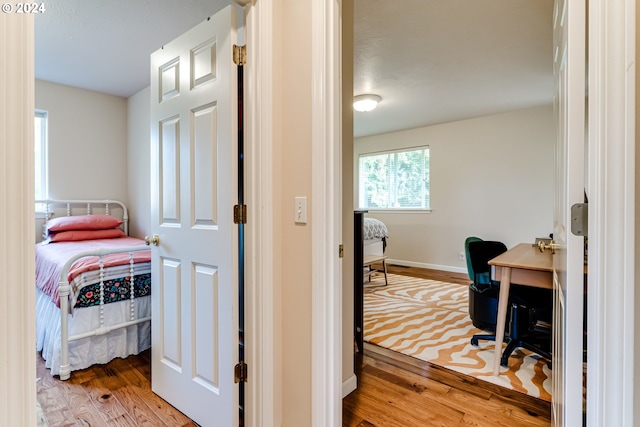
(64, 288)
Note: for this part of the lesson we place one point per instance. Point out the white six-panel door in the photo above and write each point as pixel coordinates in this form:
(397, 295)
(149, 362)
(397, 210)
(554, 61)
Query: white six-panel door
(569, 70)
(194, 265)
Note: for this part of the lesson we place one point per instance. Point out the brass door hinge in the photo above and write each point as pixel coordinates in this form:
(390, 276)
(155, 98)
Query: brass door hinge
(341, 251)
(239, 54)
(240, 214)
(240, 372)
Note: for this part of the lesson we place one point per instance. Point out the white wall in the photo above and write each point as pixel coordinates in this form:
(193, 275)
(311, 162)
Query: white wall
(491, 177)
(87, 142)
(139, 163)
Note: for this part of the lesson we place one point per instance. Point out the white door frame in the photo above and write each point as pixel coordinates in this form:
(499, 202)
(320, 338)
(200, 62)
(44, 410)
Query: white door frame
(17, 258)
(264, 396)
(612, 212)
(326, 184)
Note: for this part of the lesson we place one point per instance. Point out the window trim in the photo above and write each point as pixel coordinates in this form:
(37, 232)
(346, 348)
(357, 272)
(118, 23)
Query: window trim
(413, 210)
(44, 157)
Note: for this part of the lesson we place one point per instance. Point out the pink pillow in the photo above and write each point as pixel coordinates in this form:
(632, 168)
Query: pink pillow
(75, 235)
(83, 222)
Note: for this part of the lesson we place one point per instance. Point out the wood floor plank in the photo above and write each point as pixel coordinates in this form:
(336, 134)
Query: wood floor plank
(123, 420)
(44, 379)
(437, 373)
(104, 400)
(133, 404)
(116, 394)
(55, 407)
(128, 395)
(408, 406)
(423, 381)
(141, 385)
(407, 400)
(474, 407)
(82, 407)
(521, 416)
(349, 419)
(383, 415)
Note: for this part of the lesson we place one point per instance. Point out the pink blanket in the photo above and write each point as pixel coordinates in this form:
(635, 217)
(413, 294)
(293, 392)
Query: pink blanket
(50, 260)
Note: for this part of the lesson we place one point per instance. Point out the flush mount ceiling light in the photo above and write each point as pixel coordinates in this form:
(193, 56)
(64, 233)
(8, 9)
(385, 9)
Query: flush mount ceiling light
(367, 102)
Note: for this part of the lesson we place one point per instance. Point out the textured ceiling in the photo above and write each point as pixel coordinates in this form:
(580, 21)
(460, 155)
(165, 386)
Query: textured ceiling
(431, 61)
(436, 61)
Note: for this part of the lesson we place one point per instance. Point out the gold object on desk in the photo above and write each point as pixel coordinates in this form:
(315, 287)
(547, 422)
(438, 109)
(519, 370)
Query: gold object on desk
(523, 264)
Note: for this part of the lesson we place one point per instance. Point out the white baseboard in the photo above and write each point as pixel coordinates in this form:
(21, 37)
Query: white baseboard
(349, 385)
(429, 266)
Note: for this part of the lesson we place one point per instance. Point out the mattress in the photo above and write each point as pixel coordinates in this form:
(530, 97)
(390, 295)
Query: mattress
(373, 247)
(374, 228)
(85, 274)
(375, 234)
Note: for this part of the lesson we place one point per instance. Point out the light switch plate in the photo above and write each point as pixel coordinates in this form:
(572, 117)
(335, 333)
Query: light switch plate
(300, 213)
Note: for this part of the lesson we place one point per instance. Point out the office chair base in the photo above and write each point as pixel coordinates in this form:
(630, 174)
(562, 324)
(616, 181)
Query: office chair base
(537, 343)
(513, 344)
(478, 337)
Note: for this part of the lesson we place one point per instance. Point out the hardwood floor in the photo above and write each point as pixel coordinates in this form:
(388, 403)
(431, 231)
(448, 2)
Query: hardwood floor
(445, 276)
(116, 394)
(393, 390)
(398, 390)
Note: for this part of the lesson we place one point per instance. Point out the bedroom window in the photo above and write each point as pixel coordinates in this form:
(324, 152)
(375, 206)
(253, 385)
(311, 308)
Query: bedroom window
(394, 180)
(40, 134)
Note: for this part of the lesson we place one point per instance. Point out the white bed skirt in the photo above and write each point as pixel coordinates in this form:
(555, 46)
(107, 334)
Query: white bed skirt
(373, 247)
(96, 349)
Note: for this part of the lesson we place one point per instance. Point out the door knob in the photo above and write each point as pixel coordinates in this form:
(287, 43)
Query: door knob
(152, 240)
(551, 246)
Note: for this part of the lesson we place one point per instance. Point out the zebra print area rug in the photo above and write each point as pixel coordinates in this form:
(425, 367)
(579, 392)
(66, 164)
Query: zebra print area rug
(429, 320)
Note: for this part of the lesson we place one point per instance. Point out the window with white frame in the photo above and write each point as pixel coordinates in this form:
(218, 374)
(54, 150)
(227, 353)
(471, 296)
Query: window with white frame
(394, 180)
(40, 147)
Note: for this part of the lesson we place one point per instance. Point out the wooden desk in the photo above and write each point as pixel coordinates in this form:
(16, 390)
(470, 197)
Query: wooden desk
(524, 264)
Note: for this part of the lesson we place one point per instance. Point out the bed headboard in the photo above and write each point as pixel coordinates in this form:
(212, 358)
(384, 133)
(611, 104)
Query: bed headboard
(86, 207)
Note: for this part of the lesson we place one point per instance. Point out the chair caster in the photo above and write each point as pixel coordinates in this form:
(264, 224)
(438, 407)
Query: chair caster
(474, 341)
(504, 362)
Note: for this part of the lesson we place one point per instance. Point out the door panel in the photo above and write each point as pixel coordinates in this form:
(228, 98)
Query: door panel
(169, 314)
(569, 70)
(194, 182)
(204, 159)
(205, 327)
(169, 140)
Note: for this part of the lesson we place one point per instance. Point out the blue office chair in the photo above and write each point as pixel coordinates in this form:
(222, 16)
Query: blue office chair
(483, 292)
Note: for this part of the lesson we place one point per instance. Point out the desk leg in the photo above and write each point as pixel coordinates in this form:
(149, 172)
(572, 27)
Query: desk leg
(503, 304)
